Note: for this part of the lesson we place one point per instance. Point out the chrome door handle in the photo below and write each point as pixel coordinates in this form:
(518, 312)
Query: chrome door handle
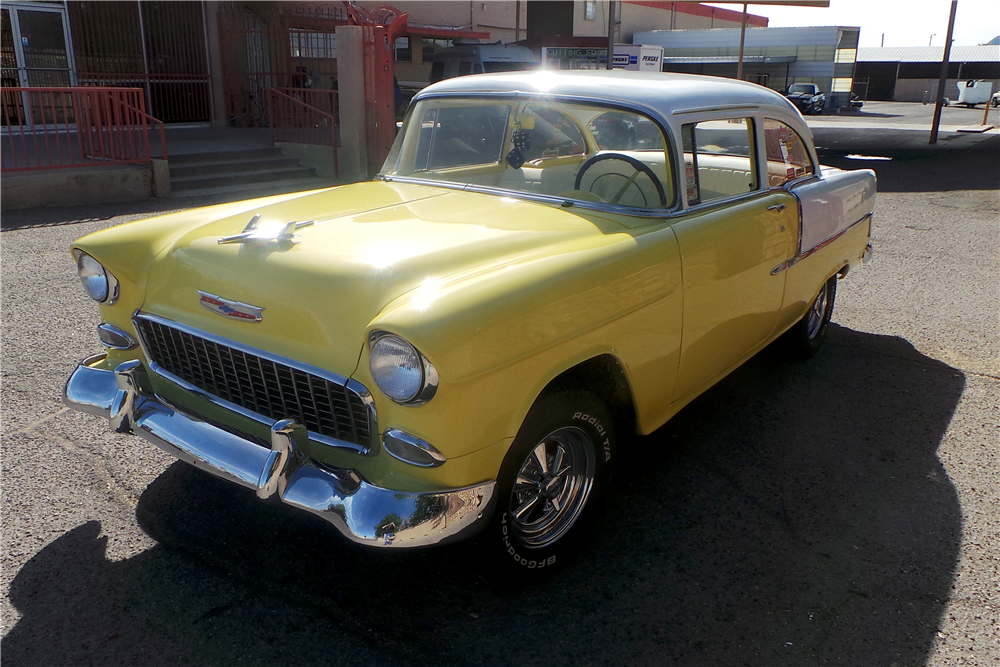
(776, 207)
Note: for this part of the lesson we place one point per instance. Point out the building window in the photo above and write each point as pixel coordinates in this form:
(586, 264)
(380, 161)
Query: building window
(433, 45)
(401, 50)
(846, 56)
(841, 85)
(590, 10)
(307, 44)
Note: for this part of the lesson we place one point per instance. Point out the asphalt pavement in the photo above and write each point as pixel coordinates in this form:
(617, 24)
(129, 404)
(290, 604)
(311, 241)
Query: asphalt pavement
(841, 511)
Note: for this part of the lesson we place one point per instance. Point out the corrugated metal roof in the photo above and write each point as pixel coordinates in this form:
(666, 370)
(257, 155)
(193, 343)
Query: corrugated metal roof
(928, 54)
(722, 37)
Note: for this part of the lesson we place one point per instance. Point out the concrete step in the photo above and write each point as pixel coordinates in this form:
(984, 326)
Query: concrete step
(225, 156)
(254, 190)
(231, 166)
(236, 178)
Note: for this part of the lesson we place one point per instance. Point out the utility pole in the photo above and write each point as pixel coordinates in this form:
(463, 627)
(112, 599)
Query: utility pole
(517, 21)
(944, 74)
(743, 36)
(611, 33)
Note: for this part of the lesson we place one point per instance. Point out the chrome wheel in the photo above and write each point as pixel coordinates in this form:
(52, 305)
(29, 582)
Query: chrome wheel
(552, 487)
(817, 313)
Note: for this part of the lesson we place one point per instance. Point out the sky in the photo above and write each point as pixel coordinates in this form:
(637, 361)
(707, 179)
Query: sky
(904, 22)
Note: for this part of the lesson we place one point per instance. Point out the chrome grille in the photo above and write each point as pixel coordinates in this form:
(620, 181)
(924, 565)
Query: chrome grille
(264, 386)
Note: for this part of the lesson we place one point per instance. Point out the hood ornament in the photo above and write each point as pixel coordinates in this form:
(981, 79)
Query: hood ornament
(254, 233)
(236, 310)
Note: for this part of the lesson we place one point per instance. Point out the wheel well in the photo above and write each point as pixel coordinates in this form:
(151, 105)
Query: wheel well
(842, 273)
(604, 377)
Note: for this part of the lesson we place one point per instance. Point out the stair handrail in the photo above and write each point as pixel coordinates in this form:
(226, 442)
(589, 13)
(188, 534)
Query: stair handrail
(147, 118)
(275, 94)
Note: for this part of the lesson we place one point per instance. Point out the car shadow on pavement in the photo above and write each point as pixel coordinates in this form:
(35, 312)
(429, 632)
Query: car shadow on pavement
(796, 513)
(942, 169)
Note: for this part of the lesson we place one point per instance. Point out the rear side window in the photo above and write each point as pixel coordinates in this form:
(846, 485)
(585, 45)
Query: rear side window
(787, 157)
(719, 159)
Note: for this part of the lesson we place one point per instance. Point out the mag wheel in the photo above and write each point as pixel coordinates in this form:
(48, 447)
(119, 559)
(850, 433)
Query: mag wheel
(552, 478)
(806, 337)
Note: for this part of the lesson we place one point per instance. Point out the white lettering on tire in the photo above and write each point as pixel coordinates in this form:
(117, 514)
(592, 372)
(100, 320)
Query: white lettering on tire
(530, 564)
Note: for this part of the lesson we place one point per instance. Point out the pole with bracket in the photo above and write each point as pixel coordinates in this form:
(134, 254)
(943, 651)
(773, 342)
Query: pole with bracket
(611, 34)
(743, 36)
(944, 74)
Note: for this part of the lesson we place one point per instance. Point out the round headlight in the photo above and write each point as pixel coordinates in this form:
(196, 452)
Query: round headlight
(94, 278)
(398, 369)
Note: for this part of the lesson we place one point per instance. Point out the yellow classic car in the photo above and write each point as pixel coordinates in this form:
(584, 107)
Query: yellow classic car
(545, 263)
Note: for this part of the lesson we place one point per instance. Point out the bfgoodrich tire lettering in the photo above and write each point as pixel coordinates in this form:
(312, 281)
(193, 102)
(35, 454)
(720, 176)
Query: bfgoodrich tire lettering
(552, 479)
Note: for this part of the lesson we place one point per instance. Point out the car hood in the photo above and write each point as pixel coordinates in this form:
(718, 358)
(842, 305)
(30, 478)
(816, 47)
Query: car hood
(321, 290)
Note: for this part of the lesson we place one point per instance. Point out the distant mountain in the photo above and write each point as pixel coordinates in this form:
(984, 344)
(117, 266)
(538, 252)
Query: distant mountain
(993, 42)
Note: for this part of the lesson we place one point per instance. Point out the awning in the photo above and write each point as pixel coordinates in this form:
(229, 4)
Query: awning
(723, 60)
(441, 32)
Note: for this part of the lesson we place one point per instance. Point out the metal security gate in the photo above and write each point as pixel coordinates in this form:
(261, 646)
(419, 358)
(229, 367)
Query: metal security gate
(157, 46)
(295, 47)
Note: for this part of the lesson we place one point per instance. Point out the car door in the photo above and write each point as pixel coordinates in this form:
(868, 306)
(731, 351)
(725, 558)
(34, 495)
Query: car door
(735, 232)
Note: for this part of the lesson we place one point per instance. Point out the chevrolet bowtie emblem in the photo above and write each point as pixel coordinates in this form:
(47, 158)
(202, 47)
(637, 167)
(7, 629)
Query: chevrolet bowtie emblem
(236, 310)
(255, 233)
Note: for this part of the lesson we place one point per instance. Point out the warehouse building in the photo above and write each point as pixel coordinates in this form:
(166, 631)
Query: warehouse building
(911, 74)
(773, 57)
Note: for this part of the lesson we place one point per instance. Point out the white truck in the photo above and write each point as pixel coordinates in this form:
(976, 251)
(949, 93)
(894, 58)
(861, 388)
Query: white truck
(480, 59)
(971, 93)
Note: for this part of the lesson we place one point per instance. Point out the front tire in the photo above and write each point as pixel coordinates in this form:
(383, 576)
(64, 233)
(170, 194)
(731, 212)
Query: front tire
(806, 337)
(552, 479)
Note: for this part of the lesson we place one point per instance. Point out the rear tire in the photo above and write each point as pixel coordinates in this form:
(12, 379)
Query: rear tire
(552, 480)
(806, 337)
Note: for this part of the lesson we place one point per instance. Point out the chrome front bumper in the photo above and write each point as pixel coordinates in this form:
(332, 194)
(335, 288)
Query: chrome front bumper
(358, 509)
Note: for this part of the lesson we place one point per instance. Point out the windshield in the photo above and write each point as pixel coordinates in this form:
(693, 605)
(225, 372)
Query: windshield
(802, 88)
(573, 151)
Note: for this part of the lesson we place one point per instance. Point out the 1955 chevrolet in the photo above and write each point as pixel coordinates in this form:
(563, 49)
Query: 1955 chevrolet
(546, 262)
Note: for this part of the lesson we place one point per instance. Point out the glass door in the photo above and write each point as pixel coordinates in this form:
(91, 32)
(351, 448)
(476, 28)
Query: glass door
(40, 46)
(35, 54)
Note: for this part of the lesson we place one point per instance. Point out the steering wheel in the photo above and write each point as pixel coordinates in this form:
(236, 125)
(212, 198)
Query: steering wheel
(639, 168)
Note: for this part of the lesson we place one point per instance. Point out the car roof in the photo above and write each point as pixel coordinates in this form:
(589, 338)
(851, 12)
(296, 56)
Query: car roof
(667, 93)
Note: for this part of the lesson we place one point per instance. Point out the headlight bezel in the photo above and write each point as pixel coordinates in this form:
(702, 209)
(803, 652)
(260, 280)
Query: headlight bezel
(429, 379)
(110, 282)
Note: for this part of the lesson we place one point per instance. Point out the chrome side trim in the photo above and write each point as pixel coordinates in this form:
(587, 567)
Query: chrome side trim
(115, 338)
(788, 263)
(337, 495)
(717, 107)
(328, 441)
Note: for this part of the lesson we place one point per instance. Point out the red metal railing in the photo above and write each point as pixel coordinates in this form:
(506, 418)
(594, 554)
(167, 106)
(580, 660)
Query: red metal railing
(54, 128)
(305, 116)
